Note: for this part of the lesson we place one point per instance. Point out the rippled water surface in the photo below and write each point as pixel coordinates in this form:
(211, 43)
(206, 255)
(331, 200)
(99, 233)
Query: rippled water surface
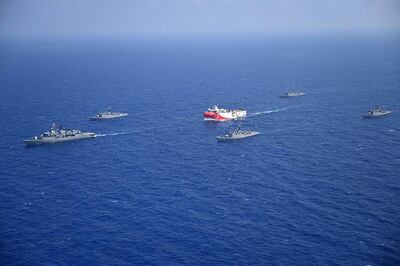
(320, 185)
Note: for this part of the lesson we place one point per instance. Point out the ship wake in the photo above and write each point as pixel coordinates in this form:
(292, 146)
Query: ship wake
(268, 112)
(113, 134)
(124, 133)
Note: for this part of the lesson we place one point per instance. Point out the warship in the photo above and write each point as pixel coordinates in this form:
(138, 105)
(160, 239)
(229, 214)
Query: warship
(292, 93)
(108, 114)
(237, 134)
(376, 112)
(57, 134)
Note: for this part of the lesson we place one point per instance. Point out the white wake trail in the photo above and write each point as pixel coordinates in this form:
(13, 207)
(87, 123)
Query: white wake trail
(268, 112)
(112, 134)
(124, 133)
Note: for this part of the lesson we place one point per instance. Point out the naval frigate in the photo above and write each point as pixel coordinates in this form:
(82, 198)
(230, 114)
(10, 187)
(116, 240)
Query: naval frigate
(108, 114)
(292, 93)
(376, 112)
(237, 134)
(57, 134)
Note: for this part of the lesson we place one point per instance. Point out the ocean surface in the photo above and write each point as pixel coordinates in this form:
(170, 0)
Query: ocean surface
(319, 185)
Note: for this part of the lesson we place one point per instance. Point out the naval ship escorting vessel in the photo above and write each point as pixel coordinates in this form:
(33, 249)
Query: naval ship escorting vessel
(237, 134)
(108, 114)
(58, 134)
(292, 93)
(220, 114)
(376, 112)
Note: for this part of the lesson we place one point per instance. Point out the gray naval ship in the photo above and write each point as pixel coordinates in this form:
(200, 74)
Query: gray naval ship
(376, 112)
(108, 114)
(57, 135)
(237, 134)
(292, 93)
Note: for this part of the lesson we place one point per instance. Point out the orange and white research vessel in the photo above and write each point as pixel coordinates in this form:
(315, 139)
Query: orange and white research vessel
(220, 114)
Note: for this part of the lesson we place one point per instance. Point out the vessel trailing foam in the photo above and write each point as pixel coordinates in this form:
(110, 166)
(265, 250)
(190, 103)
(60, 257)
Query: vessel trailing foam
(220, 114)
(56, 134)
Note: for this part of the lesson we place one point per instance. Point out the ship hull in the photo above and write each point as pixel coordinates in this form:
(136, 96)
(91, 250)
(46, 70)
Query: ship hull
(292, 96)
(54, 140)
(225, 138)
(376, 115)
(106, 117)
(216, 116)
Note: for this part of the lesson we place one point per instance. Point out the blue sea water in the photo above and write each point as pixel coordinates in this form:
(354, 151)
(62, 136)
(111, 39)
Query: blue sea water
(319, 186)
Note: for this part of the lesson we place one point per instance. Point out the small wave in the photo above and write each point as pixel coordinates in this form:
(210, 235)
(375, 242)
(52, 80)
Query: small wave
(269, 111)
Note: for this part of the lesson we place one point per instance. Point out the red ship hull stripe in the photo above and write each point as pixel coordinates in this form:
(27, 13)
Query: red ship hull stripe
(215, 116)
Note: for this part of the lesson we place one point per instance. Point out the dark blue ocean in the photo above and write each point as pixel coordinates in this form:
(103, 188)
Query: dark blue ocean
(319, 186)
